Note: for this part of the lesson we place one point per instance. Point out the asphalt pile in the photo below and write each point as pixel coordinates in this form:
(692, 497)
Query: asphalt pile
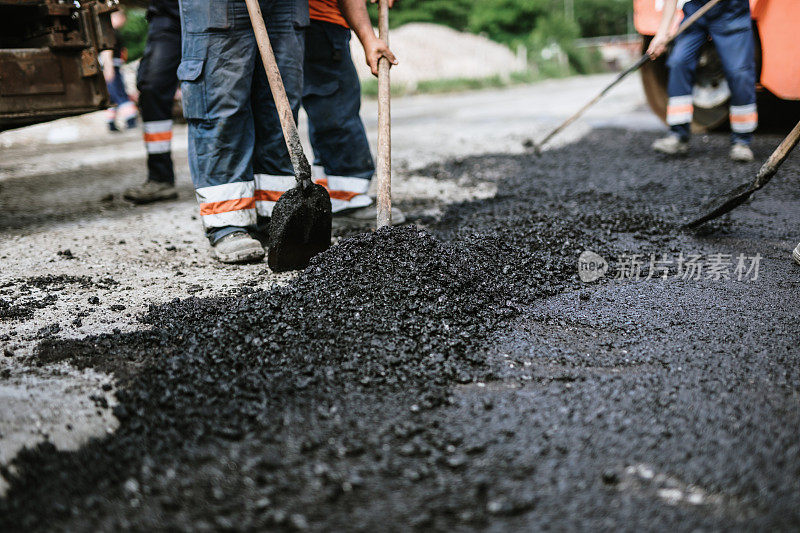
(396, 312)
(405, 379)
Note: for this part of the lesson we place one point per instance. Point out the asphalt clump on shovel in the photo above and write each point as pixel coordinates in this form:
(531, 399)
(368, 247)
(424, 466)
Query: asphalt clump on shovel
(300, 227)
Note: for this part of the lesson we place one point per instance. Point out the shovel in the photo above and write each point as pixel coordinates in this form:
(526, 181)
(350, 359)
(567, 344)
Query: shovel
(384, 166)
(300, 226)
(537, 147)
(740, 194)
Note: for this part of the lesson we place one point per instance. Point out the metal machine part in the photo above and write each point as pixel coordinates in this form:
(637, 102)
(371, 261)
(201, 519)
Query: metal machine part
(49, 59)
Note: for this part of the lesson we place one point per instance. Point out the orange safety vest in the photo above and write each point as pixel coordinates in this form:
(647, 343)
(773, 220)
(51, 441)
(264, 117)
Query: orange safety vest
(326, 11)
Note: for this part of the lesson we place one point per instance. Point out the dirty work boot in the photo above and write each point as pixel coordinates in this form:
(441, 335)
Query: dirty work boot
(796, 254)
(365, 216)
(741, 152)
(238, 247)
(150, 191)
(670, 145)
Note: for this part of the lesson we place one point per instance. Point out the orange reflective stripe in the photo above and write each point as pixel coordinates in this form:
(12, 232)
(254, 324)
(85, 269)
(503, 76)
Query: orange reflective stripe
(162, 136)
(336, 195)
(675, 109)
(226, 206)
(749, 117)
(268, 196)
(342, 195)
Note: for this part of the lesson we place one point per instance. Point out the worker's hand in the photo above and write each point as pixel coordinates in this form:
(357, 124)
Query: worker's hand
(390, 2)
(658, 45)
(374, 49)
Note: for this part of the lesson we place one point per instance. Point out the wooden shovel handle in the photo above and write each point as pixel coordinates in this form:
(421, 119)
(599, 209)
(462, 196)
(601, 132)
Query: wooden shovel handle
(770, 167)
(302, 170)
(384, 167)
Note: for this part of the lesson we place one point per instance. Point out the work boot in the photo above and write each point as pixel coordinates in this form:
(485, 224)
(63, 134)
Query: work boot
(796, 254)
(670, 145)
(741, 152)
(238, 247)
(365, 216)
(150, 191)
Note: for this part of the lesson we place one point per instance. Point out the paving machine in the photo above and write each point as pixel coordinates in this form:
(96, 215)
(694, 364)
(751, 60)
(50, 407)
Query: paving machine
(775, 23)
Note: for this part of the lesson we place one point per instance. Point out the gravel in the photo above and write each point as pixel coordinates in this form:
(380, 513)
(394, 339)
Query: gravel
(458, 375)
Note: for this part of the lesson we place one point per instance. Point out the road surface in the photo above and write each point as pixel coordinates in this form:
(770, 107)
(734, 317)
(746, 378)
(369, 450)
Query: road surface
(457, 373)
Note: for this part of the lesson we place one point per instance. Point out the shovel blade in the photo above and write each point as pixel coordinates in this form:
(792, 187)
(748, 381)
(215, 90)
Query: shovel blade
(723, 204)
(300, 227)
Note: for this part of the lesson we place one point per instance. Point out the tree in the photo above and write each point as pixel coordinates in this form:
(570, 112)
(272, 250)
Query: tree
(453, 13)
(512, 21)
(602, 17)
(506, 21)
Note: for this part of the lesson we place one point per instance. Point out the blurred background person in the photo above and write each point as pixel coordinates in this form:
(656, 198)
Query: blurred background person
(157, 81)
(122, 107)
(730, 26)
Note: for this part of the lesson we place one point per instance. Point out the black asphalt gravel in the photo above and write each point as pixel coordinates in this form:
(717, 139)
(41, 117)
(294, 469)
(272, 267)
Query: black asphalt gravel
(19, 299)
(458, 374)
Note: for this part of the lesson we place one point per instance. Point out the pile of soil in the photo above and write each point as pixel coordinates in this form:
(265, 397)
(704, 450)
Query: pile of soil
(434, 52)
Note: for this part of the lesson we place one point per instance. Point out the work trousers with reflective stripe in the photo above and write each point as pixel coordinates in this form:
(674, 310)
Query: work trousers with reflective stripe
(235, 138)
(332, 99)
(343, 162)
(730, 27)
(157, 81)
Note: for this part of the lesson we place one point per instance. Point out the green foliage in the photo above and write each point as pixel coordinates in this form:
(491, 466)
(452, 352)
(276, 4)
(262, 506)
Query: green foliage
(460, 84)
(134, 33)
(369, 88)
(506, 21)
(552, 48)
(453, 13)
(553, 28)
(512, 21)
(602, 17)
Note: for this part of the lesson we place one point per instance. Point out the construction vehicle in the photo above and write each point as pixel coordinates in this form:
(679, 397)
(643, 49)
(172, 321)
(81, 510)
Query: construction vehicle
(775, 23)
(49, 59)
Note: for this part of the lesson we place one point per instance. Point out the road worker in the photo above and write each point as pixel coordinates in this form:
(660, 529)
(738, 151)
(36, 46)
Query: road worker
(332, 99)
(235, 137)
(123, 108)
(237, 156)
(157, 81)
(730, 27)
